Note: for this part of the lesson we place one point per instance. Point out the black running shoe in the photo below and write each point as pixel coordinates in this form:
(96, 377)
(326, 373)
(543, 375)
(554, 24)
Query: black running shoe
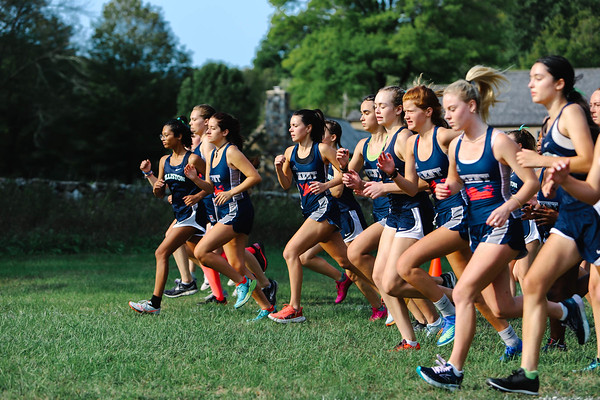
(516, 383)
(448, 279)
(441, 376)
(211, 298)
(554, 344)
(260, 255)
(576, 319)
(182, 289)
(271, 292)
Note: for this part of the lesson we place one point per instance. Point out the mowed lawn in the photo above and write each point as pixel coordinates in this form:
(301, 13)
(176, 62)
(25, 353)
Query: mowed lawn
(66, 331)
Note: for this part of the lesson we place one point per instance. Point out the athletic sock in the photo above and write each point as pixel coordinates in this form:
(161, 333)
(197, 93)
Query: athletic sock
(343, 278)
(155, 301)
(445, 306)
(530, 374)
(412, 343)
(214, 281)
(243, 281)
(437, 324)
(509, 336)
(271, 309)
(251, 250)
(456, 371)
(565, 312)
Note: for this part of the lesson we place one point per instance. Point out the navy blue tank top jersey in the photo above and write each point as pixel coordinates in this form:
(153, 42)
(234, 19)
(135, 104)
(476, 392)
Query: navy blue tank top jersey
(347, 201)
(434, 170)
(208, 199)
(225, 178)
(543, 200)
(307, 170)
(487, 181)
(180, 186)
(399, 201)
(515, 184)
(381, 204)
(557, 145)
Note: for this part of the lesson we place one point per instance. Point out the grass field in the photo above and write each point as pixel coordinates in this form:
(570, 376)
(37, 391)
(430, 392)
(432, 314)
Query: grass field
(66, 332)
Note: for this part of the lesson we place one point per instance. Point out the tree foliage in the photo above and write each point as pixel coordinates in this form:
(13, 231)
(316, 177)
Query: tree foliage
(38, 71)
(226, 89)
(333, 47)
(136, 67)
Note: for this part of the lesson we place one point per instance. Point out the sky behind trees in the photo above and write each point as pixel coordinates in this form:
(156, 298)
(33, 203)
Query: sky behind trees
(225, 30)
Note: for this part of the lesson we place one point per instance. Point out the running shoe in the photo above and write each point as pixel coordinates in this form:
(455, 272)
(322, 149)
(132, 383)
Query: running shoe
(211, 298)
(576, 319)
(510, 353)
(144, 307)
(517, 382)
(205, 285)
(288, 314)
(595, 364)
(390, 320)
(271, 292)
(418, 327)
(554, 344)
(244, 291)
(262, 314)
(447, 334)
(436, 328)
(342, 288)
(448, 279)
(259, 253)
(404, 345)
(441, 376)
(378, 313)
(182, 289)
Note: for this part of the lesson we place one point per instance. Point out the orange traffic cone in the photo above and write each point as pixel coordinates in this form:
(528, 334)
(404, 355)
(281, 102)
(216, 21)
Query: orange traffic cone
(435, 268)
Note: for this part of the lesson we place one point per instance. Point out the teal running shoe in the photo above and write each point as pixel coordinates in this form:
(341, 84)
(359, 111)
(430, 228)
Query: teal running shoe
(510, 353)
(447, 334)
(262, 314)
(244, 291)
(594, 366)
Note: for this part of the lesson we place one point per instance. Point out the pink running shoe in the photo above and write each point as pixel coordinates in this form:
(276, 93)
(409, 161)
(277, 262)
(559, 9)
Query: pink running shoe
(378, 313)
(342, 288)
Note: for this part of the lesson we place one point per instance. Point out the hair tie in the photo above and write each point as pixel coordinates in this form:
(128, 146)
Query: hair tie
(523, 127)
(180, 120)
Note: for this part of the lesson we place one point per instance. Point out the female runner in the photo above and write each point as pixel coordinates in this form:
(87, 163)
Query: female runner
(305, 163)
(404, 224)
(191, 219)
(574, 235)
(235, 214)
(352, 224)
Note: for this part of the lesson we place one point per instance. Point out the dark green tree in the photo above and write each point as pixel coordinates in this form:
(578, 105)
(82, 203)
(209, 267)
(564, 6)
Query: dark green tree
(136, 67)
(328, 48)
(226, 89)
(39, 71)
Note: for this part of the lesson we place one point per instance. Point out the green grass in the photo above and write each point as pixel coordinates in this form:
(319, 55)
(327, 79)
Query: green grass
(66, 332)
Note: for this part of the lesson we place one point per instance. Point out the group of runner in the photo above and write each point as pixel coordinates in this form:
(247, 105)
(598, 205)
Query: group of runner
(422, 162)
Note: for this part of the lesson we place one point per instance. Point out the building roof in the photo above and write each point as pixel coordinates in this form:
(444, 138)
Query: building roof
(516, 107)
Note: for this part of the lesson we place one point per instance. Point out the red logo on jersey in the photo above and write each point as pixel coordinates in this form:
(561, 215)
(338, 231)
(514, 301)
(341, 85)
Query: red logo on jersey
(305, 189)
(219, 189)
(486, 193)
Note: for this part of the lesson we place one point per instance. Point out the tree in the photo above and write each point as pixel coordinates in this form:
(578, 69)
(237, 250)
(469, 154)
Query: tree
(226, 89)
(39, 70)
(136, 67)
(329, 48)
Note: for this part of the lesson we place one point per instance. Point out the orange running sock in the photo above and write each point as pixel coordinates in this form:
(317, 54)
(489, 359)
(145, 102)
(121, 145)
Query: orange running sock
(214, 280)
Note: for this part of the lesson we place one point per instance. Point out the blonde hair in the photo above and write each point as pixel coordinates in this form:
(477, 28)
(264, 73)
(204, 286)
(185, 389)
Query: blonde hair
(481, 84)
